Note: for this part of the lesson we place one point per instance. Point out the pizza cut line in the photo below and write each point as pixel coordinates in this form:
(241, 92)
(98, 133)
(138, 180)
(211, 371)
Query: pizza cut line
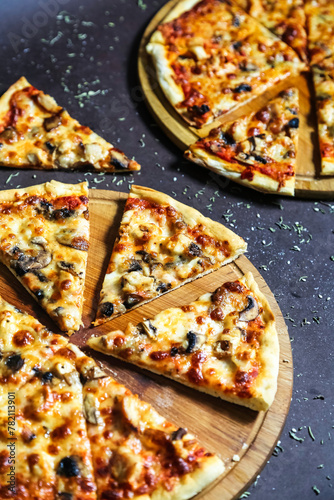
(162, 244)
(210, 57)
(258, 150)
(35, 132)
(225, 344)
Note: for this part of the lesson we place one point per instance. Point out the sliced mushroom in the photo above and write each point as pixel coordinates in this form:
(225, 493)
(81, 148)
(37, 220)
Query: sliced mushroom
(39, 240)
(148, 328)
(251, 311)
(69, 267)
(25, 263)
(91, 411)
(71, 238)
(178, 434)
(52, 122)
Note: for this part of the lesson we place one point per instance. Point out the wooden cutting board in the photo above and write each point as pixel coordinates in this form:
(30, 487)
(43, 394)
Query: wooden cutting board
(223, 428)
(309, 183)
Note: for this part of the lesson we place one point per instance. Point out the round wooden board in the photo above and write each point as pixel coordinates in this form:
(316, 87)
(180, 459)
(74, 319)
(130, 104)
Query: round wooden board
(309, 183)
(223, 428)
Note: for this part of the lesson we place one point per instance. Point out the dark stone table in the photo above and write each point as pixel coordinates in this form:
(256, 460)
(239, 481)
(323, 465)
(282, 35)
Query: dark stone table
(84, 54)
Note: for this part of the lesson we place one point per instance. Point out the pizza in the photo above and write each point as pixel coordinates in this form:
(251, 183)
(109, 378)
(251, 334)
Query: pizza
(51, 446)
(35, 132)
(210, 57)
(285, 18)
(44, 240)
(323, 79)
(258, 150)
(225, 344)
(139, 454)
(320, 24)
(161, 245)
(24, 344)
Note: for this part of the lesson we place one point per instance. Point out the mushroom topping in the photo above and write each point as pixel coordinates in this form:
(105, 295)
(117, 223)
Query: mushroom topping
(25, 263)
(194, 249)
(226, 138)
(251, 311)
(178, 434)
(118, 164)
(132, 300)
(134, 266)
(70, 238)
(192, 338)
(52, 122)
(69, 267)
(163, 287)
(148, 328)
(9, 134)
(145, 256)
(90, 410)
(39, 240)
(68, 467)
(14, 362)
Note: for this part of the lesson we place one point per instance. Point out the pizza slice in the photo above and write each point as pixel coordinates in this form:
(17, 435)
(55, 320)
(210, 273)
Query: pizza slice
(258, 150)
(225, 344)
(137, 453)
(162, 244)
(320, 25)
(48, 433)
(210, 57)
(37, 133)
(285, 18)
(323, 79)
(24, 344)
(44, 239)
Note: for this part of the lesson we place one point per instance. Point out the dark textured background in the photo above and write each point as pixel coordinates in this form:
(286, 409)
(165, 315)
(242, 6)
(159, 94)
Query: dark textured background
(84, 54)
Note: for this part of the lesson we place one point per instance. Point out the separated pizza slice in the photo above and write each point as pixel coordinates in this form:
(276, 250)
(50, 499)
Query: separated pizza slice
(24, 344)
(258, 150)
(210, 57)
(44, 238)
(161, 245)
(320, 25)
(49, 434)
(323, 79)
(137, 453)
(37, 133)
(285, 18)
(225, 343)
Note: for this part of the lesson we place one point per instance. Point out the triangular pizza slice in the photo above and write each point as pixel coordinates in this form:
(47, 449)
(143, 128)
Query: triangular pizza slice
(323, 79)
(225, 344)
(37, 133)
(210, 57)
(162, 244)
(258, 150)
(44, 239)
(24, 344)
(137, 453)
(285, 18)
(47, 432)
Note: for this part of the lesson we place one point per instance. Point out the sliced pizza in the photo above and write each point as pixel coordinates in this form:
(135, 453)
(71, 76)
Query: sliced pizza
(211, 56)
(37, 133)
(162, 244)
(137, 453)
(48, 433)
(320, 25)
(24, 344)
(44, 239)
(323, 79)
(258, 150)
(225, 344)
(285, 18)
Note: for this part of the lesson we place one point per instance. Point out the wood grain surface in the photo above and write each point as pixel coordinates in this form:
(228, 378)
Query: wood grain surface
(223, 428)
(309, 182)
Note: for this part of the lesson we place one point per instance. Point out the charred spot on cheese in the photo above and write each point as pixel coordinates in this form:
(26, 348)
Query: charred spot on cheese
(243, 87)
(200, 110)
(132, 300)
(145, 256)
(106, 309)
(52, 122)
(174, 351)
(135, 266)
(68, 467)
(293, 123)
(251, 311)
(14, 362)
(194, 249)
(192, 339)
(178, 434)
(226, 138)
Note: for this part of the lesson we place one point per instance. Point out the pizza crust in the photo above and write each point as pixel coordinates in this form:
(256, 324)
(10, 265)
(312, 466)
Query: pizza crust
(260, 182)
(52, 188)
